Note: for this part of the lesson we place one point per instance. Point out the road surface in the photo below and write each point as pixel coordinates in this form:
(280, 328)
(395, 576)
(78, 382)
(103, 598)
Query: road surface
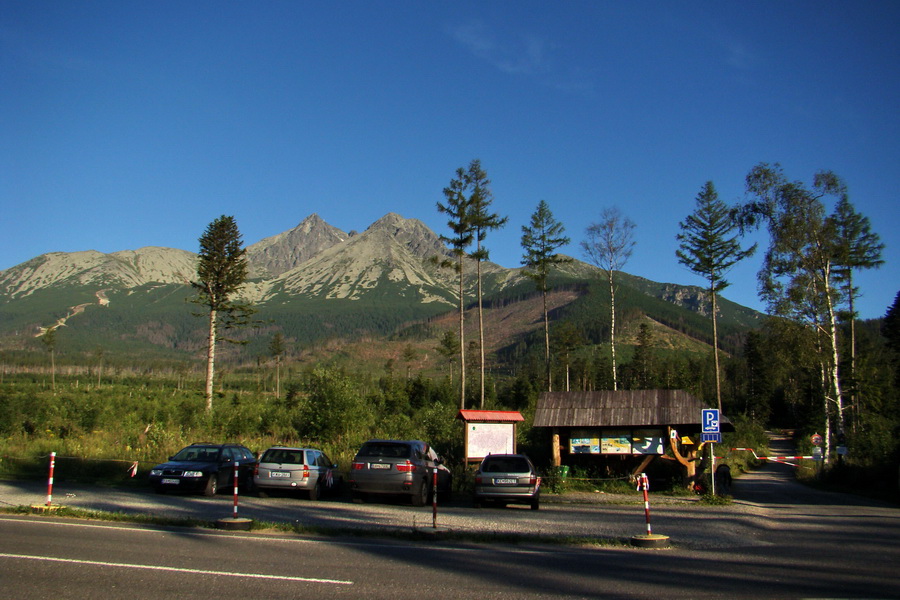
(778, 539)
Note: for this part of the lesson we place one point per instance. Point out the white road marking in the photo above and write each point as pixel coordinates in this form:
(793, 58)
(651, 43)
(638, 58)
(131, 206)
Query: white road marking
(174, 569)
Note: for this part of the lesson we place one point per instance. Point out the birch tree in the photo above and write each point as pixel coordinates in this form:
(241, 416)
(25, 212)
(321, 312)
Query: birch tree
(608, 245)
(798, 276)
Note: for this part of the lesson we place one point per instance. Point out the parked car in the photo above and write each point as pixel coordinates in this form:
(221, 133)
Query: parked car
(403, 467)
(204, 468)
(506, 478)
(303, 469)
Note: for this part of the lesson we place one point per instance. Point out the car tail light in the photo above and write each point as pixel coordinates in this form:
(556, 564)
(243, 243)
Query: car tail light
(256, 469)
(406, 467)
(358, 466)
(478, 480)
(305, 471)
(533, 480)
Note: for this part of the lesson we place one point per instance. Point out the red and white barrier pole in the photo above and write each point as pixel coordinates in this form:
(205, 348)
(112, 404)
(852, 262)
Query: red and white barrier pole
(644, 484)
(235, 489)
(778, 459)
(434, 499)
(50, 480)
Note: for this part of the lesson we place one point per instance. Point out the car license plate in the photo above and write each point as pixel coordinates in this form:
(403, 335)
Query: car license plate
(380, 466)
(279, 474)
(505, 481)
(171, 481)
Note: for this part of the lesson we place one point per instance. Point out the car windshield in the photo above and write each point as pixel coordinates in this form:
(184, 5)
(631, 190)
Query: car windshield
(283, 455)
(385, 449)
(505, 464)
(198, 453)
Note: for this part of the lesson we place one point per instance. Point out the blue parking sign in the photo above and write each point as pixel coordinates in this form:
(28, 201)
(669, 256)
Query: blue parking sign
(709, 417)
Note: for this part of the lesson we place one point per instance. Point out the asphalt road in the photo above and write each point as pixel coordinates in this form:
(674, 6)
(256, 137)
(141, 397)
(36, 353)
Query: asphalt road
(778, 539)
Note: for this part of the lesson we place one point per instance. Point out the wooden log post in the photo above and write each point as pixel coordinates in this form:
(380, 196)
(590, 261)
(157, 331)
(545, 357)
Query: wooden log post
(689, 462)
(557, 459)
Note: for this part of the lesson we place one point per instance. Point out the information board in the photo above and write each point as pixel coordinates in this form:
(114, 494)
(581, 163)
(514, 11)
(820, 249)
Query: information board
(617, 441)
(490, 438)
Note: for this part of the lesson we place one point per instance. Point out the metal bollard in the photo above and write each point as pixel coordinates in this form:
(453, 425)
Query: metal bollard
(50, 480)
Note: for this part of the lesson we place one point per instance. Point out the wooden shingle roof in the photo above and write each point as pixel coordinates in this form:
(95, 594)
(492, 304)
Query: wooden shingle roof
(631, 408)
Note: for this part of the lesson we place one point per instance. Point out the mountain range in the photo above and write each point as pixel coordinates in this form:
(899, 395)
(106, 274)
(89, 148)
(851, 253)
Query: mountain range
(311, 282)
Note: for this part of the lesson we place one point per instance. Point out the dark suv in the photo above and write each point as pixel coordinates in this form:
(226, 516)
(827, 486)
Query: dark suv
(204, 468)
(405, 467)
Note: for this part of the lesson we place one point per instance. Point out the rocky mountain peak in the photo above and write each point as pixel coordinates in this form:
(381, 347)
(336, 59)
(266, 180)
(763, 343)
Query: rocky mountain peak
(280, 253)
(414, 235)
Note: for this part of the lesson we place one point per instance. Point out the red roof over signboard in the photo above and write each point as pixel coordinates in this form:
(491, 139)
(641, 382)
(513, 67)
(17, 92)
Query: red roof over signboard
(490, 416)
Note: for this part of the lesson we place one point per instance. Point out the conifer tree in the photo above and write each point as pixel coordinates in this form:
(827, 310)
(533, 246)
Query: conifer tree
(482, 221)
(540, 241)
(458, 208)
(708, 248)
(221, 272)
(858, 247)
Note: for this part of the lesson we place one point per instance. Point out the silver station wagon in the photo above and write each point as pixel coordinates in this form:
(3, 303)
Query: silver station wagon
(305, 470)
(507, 478)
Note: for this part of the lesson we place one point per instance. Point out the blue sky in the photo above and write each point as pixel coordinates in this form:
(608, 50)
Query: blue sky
(131, 124)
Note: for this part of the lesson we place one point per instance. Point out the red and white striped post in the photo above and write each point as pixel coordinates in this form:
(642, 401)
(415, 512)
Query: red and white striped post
(644, 484)
(235, 489)
(648, 540)
(434, 499)
(50, 480)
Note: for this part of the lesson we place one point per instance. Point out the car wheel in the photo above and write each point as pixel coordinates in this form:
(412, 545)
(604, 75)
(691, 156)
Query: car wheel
(478, 504)
(420, 498)
(316, 491)
(535, 504)
(261, 493)
(212, 485)
(159, 489)
(357, 497)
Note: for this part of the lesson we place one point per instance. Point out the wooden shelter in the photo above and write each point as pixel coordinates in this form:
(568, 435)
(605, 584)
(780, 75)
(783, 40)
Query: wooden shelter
(635, 423)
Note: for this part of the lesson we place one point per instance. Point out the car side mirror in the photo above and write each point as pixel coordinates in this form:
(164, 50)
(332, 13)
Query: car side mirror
(334, 466)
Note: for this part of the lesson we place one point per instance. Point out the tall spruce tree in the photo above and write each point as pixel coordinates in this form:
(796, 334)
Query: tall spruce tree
(709, 247)
(858, 247)
(458, 209)
(540, 241)
(482, 221)
(608, 245)
(221, 272)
